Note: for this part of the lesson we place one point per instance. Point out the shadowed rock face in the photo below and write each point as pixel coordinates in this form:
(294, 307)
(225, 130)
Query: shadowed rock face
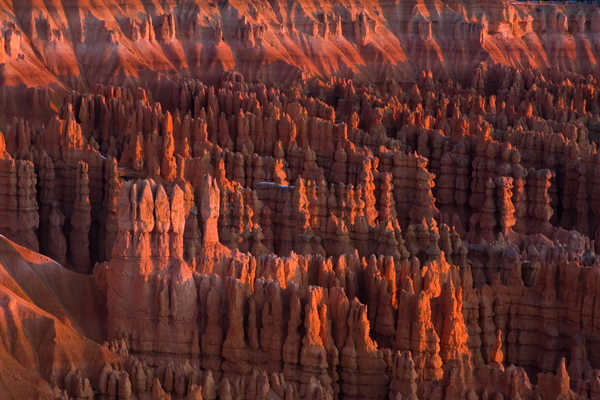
(299, 200)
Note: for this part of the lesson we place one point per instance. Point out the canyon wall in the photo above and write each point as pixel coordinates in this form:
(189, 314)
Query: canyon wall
(299, 200)
(78, 44)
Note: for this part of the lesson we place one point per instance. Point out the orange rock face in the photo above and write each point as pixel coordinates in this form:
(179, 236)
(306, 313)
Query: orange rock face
(299, 200)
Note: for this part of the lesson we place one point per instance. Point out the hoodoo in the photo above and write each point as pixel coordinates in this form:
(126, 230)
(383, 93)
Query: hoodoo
(287, 200)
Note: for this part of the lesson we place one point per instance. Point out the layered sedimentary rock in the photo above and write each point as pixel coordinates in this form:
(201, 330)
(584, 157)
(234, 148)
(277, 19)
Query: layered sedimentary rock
(376, 200)
(147, 264)
(76, 44)
(20, 216)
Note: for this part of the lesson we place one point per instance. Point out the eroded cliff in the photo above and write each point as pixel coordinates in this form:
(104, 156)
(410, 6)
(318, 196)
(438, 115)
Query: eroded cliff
(77, 44)
(299, 200)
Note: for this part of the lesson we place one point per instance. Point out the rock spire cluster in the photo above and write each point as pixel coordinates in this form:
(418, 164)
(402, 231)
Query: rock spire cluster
(265, 201)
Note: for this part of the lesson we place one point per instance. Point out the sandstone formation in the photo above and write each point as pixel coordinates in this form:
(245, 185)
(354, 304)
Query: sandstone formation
(77, 44)
(299, 200)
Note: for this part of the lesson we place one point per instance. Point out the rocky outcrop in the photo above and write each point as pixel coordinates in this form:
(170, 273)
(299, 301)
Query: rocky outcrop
(81, 221)
(148, 255)
(19, 204)
(44, 45)
(316, 218)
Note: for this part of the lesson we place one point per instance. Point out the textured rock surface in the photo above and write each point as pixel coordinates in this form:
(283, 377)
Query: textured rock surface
(299, 200)
(78, 44)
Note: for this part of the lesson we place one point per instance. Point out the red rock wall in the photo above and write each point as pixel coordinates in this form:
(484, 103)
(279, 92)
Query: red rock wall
(315, 218)
(78, 44)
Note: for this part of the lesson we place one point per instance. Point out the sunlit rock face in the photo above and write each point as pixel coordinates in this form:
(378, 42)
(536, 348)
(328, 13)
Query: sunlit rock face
(299, 200)
(79, 44)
